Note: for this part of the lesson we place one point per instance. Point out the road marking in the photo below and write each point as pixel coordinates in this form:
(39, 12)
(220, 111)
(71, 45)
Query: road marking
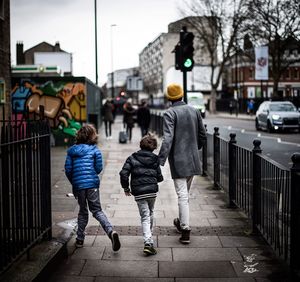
(229, 127)
(259, 135)
(243, 130)
(289, 143)
(279, 140)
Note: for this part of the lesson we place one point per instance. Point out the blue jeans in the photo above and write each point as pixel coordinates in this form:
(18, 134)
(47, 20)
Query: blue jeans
(91, 198)
(146, 208)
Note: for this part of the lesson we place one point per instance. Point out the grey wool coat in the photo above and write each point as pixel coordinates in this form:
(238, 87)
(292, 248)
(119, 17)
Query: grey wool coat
(183, 137)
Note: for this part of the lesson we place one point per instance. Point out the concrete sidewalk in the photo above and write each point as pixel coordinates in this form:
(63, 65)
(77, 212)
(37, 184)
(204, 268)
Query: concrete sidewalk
(221, 248)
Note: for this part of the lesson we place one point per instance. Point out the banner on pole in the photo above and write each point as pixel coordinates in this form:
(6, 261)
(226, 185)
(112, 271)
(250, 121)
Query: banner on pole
(262, 63)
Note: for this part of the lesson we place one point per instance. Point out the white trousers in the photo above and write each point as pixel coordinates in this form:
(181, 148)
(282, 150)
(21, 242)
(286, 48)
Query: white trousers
(182, 187)
(146, 209)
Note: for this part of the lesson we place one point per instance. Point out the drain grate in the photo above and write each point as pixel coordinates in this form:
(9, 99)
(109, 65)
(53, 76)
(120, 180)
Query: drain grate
(171, 231)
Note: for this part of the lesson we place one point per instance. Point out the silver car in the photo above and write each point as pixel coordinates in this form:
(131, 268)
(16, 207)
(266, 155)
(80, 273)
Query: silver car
(273, 116)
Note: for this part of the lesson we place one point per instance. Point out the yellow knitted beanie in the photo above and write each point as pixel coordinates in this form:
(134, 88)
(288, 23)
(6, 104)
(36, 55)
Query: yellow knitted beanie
(174, 92)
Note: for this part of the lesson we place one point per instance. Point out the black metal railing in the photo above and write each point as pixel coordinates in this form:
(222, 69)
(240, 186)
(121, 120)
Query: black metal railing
(266, 191)
(25, 187)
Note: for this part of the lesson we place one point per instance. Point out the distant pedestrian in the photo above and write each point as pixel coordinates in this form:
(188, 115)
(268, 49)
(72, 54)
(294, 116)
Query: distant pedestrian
(82, 166)
(183, 137)
(250, 107)
(237, 107)
(230, 107)
(108, 118)
(143, 118)
(144, 171)
(128, 119)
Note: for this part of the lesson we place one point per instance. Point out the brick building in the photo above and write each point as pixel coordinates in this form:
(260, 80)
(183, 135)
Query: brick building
(4, 58)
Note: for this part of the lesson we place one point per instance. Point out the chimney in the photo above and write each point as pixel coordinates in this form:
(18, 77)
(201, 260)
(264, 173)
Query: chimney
(57, 47)
(20, 53)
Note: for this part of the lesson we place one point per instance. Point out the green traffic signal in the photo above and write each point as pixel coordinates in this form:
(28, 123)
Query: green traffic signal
(188, 63)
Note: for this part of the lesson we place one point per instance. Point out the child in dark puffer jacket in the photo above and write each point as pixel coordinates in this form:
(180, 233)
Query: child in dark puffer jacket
(82, 166)
(143, 166)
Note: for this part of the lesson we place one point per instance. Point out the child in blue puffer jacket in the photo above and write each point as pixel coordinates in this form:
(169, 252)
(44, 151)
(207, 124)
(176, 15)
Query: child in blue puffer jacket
(82, 166)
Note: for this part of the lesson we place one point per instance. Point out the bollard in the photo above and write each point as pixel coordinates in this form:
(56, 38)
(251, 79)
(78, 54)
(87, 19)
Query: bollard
(256, 186)
(204, 156)
(232, 170)
(216, 158)
(295, 215)
(161, 121)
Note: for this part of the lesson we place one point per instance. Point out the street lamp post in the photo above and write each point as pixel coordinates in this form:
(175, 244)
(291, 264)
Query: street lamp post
(96, 54)
(112, 61)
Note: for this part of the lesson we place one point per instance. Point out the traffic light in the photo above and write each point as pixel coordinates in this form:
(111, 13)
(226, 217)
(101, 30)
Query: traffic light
(187, 50)
(178, 57)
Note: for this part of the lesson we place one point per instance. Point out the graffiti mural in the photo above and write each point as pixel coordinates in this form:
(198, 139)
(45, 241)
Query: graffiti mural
(64, 103)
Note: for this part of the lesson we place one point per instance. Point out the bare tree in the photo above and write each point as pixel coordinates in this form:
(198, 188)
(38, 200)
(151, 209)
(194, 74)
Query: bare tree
(275, 23)
(217, 24)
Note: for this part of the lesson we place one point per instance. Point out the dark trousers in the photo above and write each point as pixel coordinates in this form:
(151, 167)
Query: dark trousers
(129, 132)
(107, 127)
(144, 130)
(91, 198)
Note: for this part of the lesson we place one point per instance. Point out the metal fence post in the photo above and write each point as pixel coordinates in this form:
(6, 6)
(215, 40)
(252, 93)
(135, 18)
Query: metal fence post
(256, 186)
(161, 121)
(216, 158)
(204, 156)
(295, 215)
(232, 170)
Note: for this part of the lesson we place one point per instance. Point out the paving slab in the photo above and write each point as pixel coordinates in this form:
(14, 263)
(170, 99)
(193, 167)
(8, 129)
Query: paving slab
(206, 254)
(196, 242)
(241, 241)
(65, 278)
(129, 279)
(88, 253)
(120, 268)
(214, 280)
(202, 269)
(136, 253)
(126, 241)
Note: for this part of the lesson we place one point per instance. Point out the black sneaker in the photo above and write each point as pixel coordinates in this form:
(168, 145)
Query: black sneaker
(149, 250)
(185, 236)
(176, 223)
(114, 237)
(79, 243)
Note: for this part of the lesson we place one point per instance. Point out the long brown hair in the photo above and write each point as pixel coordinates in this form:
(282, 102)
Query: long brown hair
(87, 135)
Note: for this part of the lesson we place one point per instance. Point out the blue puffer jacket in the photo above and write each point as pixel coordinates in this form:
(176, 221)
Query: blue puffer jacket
(83, 164)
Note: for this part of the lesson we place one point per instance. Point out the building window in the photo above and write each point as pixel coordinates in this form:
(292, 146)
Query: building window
(2, 9)
(2, 91)
(296, 73)
(251, 73)
(287, 74)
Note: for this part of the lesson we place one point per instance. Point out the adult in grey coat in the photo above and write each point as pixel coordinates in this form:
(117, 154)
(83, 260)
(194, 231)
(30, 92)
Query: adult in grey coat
(183, 136)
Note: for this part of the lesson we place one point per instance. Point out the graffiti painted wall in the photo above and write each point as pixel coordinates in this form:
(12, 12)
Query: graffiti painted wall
(64, 102)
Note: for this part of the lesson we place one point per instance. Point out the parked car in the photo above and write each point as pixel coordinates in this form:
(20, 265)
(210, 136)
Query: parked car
(196, 100)
(274, 116)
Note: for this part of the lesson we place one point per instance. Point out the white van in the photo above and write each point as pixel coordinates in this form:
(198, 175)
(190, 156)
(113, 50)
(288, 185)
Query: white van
(196, 100)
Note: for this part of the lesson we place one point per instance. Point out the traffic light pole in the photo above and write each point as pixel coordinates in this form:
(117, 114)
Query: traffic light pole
(184, 86)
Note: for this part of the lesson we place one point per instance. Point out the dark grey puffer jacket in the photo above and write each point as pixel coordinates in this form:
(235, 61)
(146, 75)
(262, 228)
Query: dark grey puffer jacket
(143, 167)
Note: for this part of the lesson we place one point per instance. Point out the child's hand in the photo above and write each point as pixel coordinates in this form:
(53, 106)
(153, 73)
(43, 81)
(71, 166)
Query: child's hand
(127, 193)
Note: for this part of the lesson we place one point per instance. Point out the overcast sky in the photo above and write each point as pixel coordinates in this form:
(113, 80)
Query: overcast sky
(71, 22)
